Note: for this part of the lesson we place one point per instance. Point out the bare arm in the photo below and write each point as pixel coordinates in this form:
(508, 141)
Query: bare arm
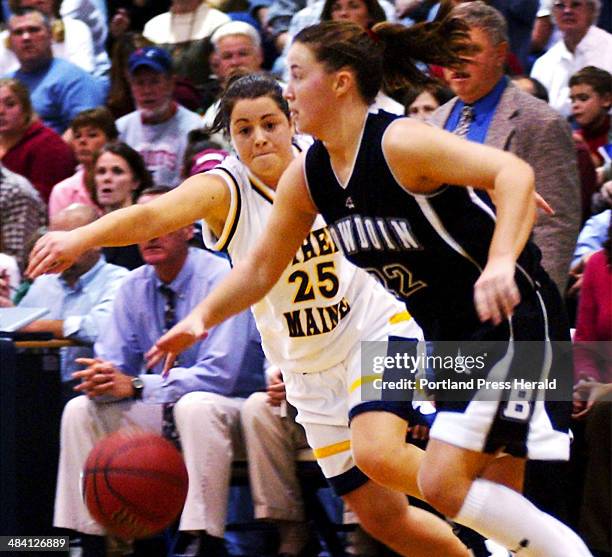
(423, 157)
(251, 279)
(204, 196)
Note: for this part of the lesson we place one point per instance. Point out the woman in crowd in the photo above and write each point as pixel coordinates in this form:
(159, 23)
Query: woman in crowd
(311, 324)
(91, 130)
(28, 147)
(593, 395)
(119, 176)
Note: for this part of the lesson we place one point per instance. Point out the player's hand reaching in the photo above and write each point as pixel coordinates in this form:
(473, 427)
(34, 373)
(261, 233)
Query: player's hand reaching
(495, 292)
(54, 253)
(185, 333)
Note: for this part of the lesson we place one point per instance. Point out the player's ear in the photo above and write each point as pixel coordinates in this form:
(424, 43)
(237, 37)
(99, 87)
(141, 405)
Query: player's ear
(344, 80)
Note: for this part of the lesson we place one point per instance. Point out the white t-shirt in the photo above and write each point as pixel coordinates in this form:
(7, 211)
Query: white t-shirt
(554, 68)
(161, 145)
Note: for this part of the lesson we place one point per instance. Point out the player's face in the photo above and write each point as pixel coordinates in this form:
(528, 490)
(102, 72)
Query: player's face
(261, 135)
(588, 107)
(474, 79)
(86, 140)
(114, 181)
(12, 117)
(309, 90)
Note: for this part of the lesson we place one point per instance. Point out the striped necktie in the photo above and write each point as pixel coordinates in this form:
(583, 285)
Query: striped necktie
(169, 430)
(465, 120)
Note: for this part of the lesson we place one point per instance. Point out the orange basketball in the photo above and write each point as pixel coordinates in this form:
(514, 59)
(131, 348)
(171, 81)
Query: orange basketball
(134, 483)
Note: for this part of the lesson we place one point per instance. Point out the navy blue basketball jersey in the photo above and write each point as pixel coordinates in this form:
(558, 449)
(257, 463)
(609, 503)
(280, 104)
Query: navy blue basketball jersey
(427, 249)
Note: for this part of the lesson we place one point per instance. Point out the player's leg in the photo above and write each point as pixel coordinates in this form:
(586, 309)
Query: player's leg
(408, 530)
(384, 513)
(380, 450)
(453, 481)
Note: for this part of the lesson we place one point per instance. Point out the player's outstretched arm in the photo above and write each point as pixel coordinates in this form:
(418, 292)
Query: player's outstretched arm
(251, 279)
(203, 196)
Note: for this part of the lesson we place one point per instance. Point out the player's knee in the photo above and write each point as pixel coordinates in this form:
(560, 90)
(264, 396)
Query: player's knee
(440, 492)
(374, 461)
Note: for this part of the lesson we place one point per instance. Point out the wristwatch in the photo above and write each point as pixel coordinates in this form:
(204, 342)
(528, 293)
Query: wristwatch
(138, 386)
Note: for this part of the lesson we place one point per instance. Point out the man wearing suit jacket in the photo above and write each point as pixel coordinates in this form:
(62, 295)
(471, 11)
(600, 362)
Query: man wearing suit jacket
(507, 118)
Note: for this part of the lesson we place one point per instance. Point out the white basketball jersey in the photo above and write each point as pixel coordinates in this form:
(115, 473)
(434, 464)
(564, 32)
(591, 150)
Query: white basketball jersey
(322, 305)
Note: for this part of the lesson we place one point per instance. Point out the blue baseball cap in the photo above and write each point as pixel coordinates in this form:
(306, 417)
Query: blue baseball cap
(153, 57)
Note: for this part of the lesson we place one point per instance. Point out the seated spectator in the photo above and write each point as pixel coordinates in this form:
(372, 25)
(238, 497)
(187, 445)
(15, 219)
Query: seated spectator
(202, 395)
(201, 153)
(119, 177)
(157, 129)
(59, 89)
(71, 38)
(582, 44)
(22, 211)
(91, 130)
(185, 31)
(590, 240)
(593, 349)
(591, 98)
(593, 396)
(10, 277)
(26, 145)
(91, 13)
(79, 300)
(531, 85)
(421, 101)
(237, 49)
(505, 117)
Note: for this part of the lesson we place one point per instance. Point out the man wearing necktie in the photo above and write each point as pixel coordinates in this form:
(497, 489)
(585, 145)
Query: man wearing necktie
(202, 394)
(507, 118)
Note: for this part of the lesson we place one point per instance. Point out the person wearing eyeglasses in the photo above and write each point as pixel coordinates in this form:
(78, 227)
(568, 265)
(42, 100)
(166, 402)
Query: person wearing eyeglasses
(581, 44)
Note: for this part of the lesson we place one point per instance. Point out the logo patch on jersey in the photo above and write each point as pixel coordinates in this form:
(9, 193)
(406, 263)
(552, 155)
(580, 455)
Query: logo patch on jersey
(349, 203)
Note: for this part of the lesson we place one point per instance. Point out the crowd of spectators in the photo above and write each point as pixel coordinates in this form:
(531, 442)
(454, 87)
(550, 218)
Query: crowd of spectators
(101, 100)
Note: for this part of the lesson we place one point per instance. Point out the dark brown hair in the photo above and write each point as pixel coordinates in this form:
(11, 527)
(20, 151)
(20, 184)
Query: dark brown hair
(99, 117)
(247, 86)
(600, 80)
(387, 56)
(134, 161)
